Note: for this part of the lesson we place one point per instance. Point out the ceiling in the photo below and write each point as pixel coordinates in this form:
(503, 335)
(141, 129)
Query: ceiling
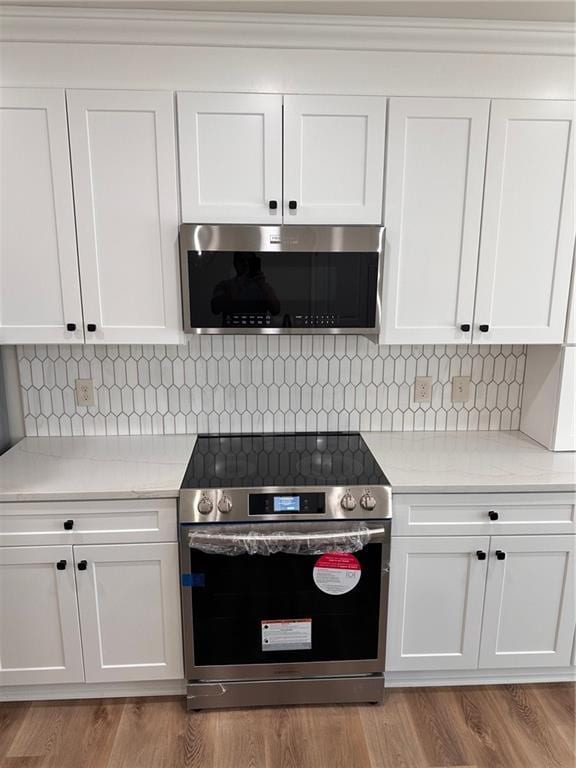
(511, 10)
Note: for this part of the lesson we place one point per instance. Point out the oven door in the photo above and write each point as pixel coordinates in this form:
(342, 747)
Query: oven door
(258, 616)
(288, 279)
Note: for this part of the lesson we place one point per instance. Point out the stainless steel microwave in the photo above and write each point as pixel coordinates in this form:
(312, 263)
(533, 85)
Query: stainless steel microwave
(281, 279)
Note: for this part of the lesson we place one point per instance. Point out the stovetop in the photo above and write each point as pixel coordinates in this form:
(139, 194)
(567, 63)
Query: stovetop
(299, 459)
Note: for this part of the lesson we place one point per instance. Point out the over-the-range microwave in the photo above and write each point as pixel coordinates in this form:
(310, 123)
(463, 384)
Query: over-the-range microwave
(243, 278)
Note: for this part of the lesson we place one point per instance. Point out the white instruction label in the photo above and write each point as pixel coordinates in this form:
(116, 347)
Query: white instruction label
(287, 635)
(336, 573)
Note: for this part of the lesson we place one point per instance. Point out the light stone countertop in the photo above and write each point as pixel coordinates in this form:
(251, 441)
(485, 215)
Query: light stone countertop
(53, 468)
(451, 462)
(72, 468)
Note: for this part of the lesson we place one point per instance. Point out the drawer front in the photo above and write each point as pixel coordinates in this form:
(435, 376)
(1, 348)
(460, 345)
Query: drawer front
(483, 513)
(90, 522)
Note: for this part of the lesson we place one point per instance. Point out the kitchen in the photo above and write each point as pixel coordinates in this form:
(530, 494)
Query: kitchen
(289, 384)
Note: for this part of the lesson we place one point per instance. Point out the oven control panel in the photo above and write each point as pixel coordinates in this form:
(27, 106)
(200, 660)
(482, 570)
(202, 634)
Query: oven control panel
(282, 504)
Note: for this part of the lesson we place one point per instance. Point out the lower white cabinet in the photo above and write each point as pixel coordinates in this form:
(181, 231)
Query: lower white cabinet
(529, 610)
(479, 602)
(39, 628)
(129, 611)
(435, 606)
(71, 614)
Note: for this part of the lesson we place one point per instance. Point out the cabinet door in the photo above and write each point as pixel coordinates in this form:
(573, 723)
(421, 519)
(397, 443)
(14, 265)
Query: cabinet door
(435, 603)
(130, 611)
(39, 629)
(230, 157)
(433, 206)
(124, 168)
(527, 225)
(334, 159)
(529, 611)
(39, 284)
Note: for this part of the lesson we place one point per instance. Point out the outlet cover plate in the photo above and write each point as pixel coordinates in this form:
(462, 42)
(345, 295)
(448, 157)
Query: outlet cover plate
(85, 392)
(423, 389)
(460, 389)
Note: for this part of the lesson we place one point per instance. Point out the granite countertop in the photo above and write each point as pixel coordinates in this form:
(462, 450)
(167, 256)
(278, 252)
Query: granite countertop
(450, 462)
(53, 468)
(150, 466)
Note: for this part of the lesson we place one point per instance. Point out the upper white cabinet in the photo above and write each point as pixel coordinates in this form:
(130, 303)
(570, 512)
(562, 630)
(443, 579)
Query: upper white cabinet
(249, 159)
(230, 157)
(529, 611)
(39, 627)
(434, 181)
(39, 288)
(333, 159)
(528, 224)
(125, 189)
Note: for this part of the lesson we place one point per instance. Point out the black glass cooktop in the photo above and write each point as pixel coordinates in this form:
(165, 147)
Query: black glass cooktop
(250, 461)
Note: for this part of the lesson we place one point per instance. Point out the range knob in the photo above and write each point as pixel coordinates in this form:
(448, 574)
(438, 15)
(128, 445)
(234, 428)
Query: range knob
(367, 501)
(348, 502)
(225, 504)
(205, 505)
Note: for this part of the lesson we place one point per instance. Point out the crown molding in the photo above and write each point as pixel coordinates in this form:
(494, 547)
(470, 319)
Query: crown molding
(28, 24)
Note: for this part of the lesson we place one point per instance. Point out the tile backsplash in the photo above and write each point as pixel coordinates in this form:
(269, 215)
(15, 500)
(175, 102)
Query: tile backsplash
(267, 383)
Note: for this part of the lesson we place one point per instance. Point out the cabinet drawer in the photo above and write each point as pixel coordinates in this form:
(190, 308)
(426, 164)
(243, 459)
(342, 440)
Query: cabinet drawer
(90, 522)
(483, 513)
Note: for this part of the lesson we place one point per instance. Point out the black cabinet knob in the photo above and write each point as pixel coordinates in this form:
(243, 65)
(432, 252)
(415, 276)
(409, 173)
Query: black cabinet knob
(83, 565)
(480, 555)
(70, 327)
(68, 525)
(91, 327)
(61, 565)
(484, 328)
(500, 555)
(273, 204)
(493, 515)
(292, 205)
(465, 327)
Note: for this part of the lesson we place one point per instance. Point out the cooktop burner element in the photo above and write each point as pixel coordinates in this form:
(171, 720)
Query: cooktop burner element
(300, 459)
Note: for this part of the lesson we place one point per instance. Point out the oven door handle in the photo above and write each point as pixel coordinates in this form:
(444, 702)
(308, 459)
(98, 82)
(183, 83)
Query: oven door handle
(267, 543)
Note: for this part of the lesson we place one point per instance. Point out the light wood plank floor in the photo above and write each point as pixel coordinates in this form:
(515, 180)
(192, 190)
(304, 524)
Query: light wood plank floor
(511, 726)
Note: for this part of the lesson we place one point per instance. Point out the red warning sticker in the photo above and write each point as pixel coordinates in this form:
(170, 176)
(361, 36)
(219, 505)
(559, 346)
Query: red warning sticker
(336, 573)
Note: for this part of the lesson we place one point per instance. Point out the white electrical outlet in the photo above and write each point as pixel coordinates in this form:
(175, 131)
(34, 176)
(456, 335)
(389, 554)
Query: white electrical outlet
(423, 389)
(85, 392)
(460, 389)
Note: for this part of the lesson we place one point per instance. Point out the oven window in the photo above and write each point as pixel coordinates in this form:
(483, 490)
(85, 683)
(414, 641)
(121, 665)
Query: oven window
(279, 290)
(239, 593)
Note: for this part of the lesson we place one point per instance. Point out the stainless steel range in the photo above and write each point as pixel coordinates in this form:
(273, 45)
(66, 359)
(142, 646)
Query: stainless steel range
(284, 544)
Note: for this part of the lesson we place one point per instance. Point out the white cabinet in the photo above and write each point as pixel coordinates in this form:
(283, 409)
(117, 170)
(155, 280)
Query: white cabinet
(39, 288)
(333, 159)
(527, 236)
(89, 612)
(435, 603)
(129, 611)
(549, 397)
(230, 149)
(434, 182)
(39, 628)
(264, 159)
(125, 189)
(529, 610)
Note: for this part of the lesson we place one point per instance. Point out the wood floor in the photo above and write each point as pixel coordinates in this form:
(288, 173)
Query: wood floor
(485, 727)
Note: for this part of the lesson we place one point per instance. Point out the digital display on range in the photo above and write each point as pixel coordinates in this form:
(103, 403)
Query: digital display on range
(286, 503)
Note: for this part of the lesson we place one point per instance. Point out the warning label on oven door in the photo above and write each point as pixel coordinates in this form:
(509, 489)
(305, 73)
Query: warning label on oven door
(287, 635)
(336, 573)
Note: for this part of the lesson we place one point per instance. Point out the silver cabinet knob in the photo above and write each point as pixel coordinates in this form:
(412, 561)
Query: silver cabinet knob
(205, 506)
(367, 501)
(348, 502)
(225, 504)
